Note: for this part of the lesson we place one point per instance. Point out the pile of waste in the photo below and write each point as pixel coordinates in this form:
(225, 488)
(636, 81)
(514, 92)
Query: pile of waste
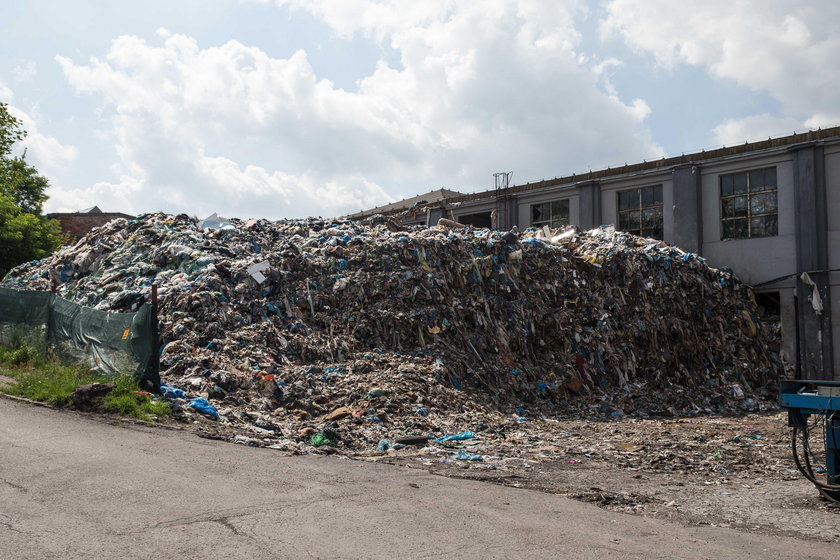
(340, 334)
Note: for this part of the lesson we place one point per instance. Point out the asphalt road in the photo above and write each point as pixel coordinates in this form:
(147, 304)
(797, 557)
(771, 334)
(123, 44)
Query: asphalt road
(79, 486)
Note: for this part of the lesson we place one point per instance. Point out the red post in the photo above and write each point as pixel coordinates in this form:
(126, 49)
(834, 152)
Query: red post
(154, 293)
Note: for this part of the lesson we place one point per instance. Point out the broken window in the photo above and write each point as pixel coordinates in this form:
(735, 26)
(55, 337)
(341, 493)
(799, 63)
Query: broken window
(553, 214)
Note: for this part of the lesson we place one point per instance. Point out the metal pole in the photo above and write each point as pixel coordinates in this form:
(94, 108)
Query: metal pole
(154, 360)
(796, 341)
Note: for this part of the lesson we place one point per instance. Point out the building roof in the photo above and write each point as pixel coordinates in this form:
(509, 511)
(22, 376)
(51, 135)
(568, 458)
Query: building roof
(95, 211)
(430, 197)
(661, 164)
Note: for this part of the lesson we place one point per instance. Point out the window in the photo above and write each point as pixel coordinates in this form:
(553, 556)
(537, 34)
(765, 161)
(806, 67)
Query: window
(553, 214)
(479, 220)
(640, 211)
(748, 204)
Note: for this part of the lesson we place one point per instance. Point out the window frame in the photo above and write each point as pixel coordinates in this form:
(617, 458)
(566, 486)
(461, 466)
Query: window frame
(550, 219)
(739, 189)
(656, 203)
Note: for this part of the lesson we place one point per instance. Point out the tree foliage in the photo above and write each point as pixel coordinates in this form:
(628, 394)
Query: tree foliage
(25, 233)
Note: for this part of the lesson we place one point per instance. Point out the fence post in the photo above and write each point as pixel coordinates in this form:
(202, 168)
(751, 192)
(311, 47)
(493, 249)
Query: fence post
(48, 351)
(154, 361)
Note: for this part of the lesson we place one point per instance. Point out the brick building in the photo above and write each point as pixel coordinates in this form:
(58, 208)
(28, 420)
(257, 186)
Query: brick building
(77, 224)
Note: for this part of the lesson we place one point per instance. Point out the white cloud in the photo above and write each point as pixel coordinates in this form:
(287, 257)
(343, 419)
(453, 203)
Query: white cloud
(754, 128)
(6, 94)
(787, 50)
(43, 151)
(480, 87)
(25, 70)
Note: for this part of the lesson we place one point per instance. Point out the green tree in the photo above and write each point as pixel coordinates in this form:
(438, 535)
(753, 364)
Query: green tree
(25, 233)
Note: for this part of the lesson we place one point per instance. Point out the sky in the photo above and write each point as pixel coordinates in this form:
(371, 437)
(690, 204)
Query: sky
(295, 108)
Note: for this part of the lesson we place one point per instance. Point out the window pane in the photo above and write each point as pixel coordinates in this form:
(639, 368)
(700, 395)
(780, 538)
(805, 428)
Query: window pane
(628, 200)
(647, 196)
(770, 177)
(536, 212)
(771, 225)
(735, 229)
(757, 180)
(655, 233)
(740, 206)
(628, 221)
(657, 194)
(726, 185)
(770, 202)
(739, 183)
(727, 208)
(757, 227)
(757, 204)
(651, 217)
(564, 206)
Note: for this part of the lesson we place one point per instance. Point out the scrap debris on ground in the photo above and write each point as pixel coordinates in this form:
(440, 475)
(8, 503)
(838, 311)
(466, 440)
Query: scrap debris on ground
(341, 336)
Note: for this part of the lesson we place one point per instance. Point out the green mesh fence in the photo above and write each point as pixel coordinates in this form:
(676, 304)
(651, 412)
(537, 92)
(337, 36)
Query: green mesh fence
(109, 343)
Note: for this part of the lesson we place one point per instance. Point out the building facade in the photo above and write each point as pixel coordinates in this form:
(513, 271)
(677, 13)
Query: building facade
(765, 209)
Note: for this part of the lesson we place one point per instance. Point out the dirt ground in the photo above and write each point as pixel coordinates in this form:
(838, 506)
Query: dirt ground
(722, 471)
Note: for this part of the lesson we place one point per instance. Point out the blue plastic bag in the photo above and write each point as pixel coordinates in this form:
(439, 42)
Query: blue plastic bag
(464, 455)
(204, 407)
(456, 437)
(172, 392)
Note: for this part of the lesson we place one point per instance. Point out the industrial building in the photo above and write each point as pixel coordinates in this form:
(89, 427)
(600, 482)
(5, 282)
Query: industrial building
(762, 209)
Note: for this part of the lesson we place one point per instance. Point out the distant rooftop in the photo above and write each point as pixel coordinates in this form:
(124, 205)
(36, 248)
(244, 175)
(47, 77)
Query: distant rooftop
(664, 163)
(419, 200)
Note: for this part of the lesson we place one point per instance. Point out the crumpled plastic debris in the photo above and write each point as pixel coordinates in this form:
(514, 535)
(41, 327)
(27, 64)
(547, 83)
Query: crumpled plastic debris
(456, 437)
(464, 455)
(172, 392)
(204, 407)
(320, 439)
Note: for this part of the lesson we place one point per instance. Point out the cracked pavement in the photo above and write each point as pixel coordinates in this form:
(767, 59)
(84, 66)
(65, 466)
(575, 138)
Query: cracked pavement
(82, 486)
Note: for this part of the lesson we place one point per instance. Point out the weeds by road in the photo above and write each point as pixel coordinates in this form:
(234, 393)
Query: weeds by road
(46, 381)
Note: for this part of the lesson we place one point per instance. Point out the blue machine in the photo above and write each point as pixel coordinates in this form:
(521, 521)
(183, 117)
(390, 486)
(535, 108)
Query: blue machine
(814, 414)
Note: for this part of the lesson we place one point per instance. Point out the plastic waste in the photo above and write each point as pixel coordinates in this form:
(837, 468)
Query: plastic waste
(464, 455)
(201, 405)
(456, 437)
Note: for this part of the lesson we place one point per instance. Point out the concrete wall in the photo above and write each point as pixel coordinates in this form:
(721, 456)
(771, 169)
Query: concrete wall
(832, 187)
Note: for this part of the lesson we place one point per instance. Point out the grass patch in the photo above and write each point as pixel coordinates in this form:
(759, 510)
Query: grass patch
(128, 400)
(49, 382)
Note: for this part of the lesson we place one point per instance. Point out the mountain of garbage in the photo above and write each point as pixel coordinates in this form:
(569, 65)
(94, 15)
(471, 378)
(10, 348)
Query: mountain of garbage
(289, 327)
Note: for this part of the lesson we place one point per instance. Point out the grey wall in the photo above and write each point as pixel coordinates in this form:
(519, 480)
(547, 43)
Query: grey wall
(832, 190)
(589, 209)
(686, 191)
(754, 260)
